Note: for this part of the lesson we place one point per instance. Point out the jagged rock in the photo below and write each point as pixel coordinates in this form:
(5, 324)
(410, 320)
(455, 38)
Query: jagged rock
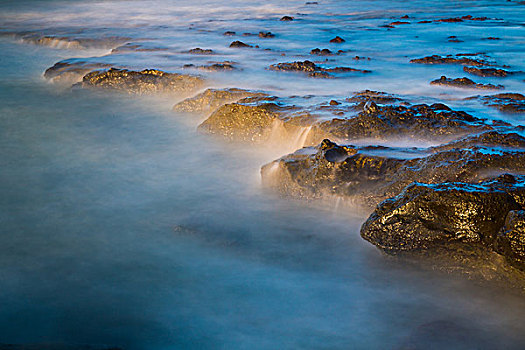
(312, 69)
(464, 83)
(142, 82)
(506, 102)
(71, 70)
(337, 40)
(457, 225)
(199, 51)
(488, 72)
(368, 175)
(266, 35)
(458, 59)
(211, 99)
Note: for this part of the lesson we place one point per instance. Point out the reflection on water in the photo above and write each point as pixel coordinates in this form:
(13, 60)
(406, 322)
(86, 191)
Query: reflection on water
(121, 225)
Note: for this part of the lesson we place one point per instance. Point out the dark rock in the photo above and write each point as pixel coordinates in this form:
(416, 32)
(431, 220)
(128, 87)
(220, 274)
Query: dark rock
(505, 102)
(287, 18)
(199, 51)
(458, 59)
(211, 99)
(491, 38)
(425, 21)
(142, 82)
(334, 103)
(313, 69)
(337, 40)
(369, 175)
(510, 241)
(464, 83)
(323, 52)
(229, 33)
(266, 35)
(487, 72)
(398, 23)
(239, 44)
(71, 42)
(214, 67)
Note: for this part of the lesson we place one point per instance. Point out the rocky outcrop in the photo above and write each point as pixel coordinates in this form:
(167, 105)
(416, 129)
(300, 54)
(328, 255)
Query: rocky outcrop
(506, 102)
(211, 99)
(488, 72)
(450, 59)
(70, 41)
(142, 82)
(356, 118)
(464, 83)
(313, 69)
(458, 225)
(71, 70)
(368, 175)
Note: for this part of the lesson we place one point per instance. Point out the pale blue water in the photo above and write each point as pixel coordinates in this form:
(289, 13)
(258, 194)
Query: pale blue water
(122, 226)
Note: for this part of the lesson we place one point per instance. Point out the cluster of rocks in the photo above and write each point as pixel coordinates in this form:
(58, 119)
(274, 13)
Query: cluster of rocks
(312, 69)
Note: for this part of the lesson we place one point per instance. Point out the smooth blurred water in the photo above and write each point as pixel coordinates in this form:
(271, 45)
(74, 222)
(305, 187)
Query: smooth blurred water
(123, 226)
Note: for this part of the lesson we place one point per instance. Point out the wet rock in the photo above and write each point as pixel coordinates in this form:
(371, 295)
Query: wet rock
(323, 52)
(487, 72)
(312, 69)
(214, 67)
(337, 40)
(242, 122)
(71, 70)
(142, 82)
(510, 241)
(454, 39)
(287, 18)
(266, 35)
(457, 224)
(137, 47)
(464, 83)
(199, 51)
(239, 44)
(398, 23)
(211, 99)
(369, 175)
(458, 59)
(229, 33)
(492, 38)
(505, 102)
(377, 96)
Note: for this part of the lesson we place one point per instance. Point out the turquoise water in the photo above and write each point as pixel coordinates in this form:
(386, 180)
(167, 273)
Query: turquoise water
(123, 226)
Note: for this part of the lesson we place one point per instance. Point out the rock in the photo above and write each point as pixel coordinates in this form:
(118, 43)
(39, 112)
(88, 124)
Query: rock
(137, 47)
(312, 69)
(398, 23)
(464, 83)
(211, 99)
(71, 42)
(323, 52)
(287, 18)
(510, 241)
(458, 225)
(369, 175)
(245, 123)
(337, 40)
(142, 82)
(199, 51)
(266, 35)
(71, 70)
(229, 33)
(239, 44)
(458, 59)
(487, 72)
(214, 67)
(505, 102)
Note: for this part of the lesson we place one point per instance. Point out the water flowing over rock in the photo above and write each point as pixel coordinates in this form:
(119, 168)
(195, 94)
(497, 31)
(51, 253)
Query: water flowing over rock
(72, 70)
(464, 83)
(508, 102)
(368, 175)
(142, 82)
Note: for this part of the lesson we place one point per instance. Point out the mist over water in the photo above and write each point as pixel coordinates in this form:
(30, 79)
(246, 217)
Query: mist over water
(123, 226)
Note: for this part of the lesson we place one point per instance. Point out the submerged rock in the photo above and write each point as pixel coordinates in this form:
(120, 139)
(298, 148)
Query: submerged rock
(464, 83)
(239, 44)
(368, 175)
(287, 18)
(211, 99)
(337, 40)
(458, 59)
(142, 82)
(71, 70)
(506, 102)
(71, 41)
(199, 51)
